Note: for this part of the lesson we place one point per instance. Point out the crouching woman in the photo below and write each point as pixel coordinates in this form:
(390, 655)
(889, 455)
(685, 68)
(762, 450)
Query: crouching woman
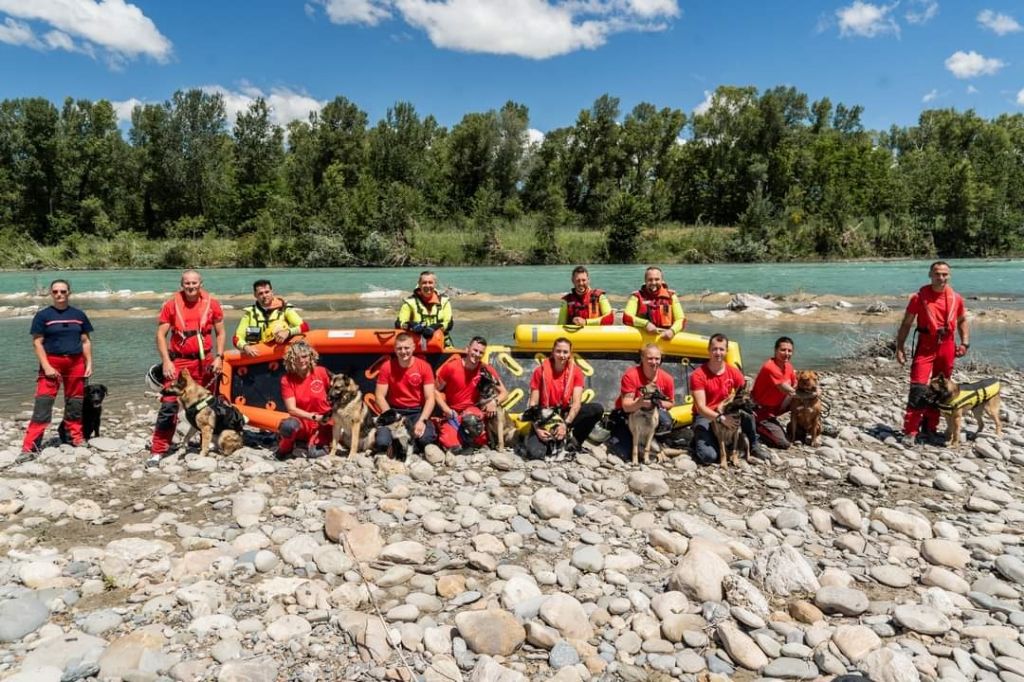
(304, 391)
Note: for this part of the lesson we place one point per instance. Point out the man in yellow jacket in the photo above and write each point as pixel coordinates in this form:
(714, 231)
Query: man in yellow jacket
(426, 310)
(655, 308)
(269, 320)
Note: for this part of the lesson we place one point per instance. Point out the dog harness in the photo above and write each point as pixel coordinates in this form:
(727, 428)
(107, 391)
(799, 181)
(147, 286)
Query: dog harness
(972, 395)
(193, 411)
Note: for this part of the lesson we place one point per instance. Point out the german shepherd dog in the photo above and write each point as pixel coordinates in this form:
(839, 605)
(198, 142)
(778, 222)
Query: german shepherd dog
(644, 422)
(92, 413)
(499, 427)
(348, 411)
(953, 400)
(208, 414)
(547, 418)
(805, 409)
(730, 438)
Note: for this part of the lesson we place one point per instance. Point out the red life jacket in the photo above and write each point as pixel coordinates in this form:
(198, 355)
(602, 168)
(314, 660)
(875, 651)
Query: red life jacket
(547, 378)
(926, 322)
(587, 305)
(180, 329)
(656, 307)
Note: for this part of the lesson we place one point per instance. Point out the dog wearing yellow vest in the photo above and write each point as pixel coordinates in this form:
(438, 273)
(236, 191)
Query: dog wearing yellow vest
(954, 399)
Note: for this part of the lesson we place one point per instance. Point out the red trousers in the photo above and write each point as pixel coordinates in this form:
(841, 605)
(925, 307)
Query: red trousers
(932, 358)
(293, 430)
(448, 433)
(70, 372)
(167, 415)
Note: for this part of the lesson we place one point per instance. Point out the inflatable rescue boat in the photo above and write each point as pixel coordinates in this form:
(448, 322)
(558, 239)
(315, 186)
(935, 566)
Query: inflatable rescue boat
(603, 353)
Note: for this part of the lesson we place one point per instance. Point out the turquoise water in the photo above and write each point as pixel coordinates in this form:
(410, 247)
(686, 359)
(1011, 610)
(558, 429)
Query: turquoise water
(123, 305)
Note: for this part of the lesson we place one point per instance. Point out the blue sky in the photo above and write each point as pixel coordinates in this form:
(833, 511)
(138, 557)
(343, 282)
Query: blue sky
(451, 57)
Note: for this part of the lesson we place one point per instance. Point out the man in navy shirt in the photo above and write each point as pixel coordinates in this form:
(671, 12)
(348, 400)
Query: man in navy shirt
(60, 338)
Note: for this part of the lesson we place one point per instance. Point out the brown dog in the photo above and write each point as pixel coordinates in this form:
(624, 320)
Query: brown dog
(348, 411)
(499, 427)
(805, 409)
(644, 422)
(730, 438)
(208, 415)
(955, 399)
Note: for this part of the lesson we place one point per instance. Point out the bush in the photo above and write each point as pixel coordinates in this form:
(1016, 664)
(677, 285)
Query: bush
(626, 215)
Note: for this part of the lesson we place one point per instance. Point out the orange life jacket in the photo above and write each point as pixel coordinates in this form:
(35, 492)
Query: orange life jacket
(655, 307)
(547, 378)
(586, 305)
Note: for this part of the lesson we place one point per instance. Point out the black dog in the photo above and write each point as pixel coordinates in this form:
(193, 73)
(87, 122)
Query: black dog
(92, 413)
(546, 418)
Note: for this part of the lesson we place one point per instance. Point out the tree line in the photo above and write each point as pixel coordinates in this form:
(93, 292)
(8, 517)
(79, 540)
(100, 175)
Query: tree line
(763, 175)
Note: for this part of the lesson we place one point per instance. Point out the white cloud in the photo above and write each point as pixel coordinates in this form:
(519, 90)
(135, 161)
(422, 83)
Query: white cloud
(369, 12)
(1020, 97)
(114, 25)
(17, 33)
(123, 108)
(930, 96)
(534, 136)
(285, 104)
(971, 90)
(921, 11)
(866, 20)
(709, 99)
(1000, 24)
(971, 64)
(535, 29)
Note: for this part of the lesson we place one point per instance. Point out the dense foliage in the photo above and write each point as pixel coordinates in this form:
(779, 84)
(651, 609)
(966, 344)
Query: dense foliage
(791, 178)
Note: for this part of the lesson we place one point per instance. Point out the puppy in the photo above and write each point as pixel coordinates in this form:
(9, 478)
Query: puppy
(730, 438)
(208, 415)
(401, 439)
(805, 409)
(92, 412)
(955, 399)
(547, 418)
(348, 411)
(499, 427)
(644, 422)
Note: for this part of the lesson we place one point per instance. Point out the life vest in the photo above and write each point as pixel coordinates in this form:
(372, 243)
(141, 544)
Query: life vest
(657, 307)
(587, 306)
(204, 316)
(259, 319)
(428, 313)
(547, 378)
(972, 395)
(926, 322)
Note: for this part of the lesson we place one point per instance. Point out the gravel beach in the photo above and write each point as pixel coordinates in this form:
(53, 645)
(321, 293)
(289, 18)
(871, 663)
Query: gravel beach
(857, 556)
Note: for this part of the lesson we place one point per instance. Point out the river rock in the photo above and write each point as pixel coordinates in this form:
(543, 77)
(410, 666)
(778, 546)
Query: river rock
(740, 647)
(699, 574)
(887, 665)
(921, 619)
(843, 600)
(855, 641)
(246, 508)
(126, 653)
(494, 632)
(846, 513)
(20, 616)
(1011, 567)
(564, 613)
(405, 552)
(783, 570)
(945, 553)
(649, 483)
(489, 670)
(911, 525)
(548, 503)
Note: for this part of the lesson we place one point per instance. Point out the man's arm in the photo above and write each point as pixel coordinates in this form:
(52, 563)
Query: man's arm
(563, 313)
(87, 353)
(404, 316)
(161, 348)
(901, 337)
(239, 338)
(605, 309)
(630, 317)
(222, 339)
(965, 335)
(429, 400)
(44, 362)
(678, 316)
(380, 394)
(295, 324)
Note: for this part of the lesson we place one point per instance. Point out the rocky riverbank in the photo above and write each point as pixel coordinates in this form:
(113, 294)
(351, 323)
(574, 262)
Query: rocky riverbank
(858, 555)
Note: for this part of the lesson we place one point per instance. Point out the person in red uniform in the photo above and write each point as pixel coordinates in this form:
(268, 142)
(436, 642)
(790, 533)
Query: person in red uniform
(584, 306)
(60, 339)
(710, 386)
(458, 396)
(405, 384)
(631, 398)
(773, 390)
(184, 339)
(939, 313)
(304, 392)
(654, 307)
(558, 383)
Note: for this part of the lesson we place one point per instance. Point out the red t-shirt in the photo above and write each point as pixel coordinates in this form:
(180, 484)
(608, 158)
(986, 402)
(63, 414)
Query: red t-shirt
(766, 392)
(191, 314)
(405, 384)
(634, 380)
(310, 392)
(554, 393)
(938, 305)
(716, 388)
(460, 384)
